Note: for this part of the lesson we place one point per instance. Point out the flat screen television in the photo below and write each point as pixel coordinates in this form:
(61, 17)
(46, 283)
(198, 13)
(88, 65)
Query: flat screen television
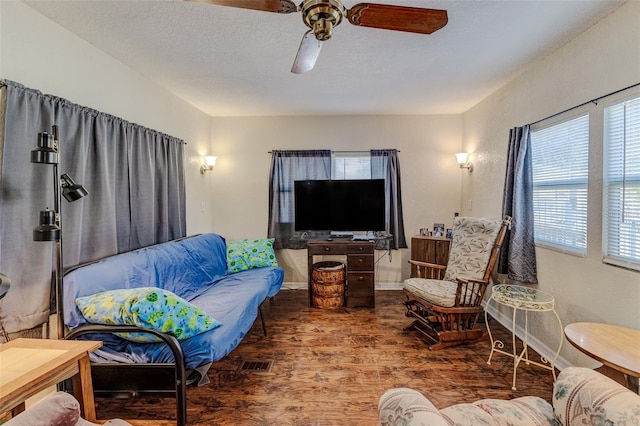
(339, 205)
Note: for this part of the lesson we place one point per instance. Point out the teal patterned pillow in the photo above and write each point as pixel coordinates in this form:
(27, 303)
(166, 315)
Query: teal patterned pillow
(243, 255)
(147, 307)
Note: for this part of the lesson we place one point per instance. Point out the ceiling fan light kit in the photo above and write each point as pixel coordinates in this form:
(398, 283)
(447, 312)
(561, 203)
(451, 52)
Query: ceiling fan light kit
(322, 16)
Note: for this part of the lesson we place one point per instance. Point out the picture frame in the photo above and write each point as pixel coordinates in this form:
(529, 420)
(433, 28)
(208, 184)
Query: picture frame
(438, 229)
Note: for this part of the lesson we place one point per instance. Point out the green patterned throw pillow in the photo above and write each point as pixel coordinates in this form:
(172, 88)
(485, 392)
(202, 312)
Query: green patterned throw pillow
(148, 307)
(243, 255)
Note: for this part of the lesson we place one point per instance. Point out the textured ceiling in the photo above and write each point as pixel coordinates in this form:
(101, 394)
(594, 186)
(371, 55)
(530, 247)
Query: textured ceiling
(236, 62)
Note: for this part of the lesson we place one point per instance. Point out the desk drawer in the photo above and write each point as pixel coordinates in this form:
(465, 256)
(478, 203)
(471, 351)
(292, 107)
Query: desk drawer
(362, 248)
(359, 282)
(360, 262)
(319, 249)
(360, 289)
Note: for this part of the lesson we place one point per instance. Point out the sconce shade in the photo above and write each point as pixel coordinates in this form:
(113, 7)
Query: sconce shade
(72, 191)
(210, 160)
(462, 158)
(463, 161)
(46, 152)
(209, 163)
(47, 230)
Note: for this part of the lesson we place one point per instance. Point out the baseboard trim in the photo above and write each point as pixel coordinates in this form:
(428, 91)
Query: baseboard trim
(303, 286)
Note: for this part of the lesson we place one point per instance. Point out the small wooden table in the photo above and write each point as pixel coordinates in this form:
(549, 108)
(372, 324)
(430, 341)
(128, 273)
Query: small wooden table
(614, 346)
(29, 366)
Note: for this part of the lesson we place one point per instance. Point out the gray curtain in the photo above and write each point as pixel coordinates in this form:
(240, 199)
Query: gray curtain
(386, 165)
(518, 256)
(135, 179)
(287, 167)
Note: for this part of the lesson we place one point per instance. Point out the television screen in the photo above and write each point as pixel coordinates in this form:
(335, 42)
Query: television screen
(339, 205)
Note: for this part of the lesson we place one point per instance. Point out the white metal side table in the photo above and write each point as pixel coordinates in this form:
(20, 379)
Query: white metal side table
(525, 299)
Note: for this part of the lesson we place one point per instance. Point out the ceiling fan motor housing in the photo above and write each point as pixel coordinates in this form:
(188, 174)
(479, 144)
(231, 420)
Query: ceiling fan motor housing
(322, 16)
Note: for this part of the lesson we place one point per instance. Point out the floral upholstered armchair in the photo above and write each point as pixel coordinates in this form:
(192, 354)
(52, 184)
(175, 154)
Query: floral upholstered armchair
(580, 397)
(57, 409)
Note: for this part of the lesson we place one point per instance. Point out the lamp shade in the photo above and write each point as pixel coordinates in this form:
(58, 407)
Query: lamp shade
(47, 230)
(5, 283)
(45, 152)
(72, 191)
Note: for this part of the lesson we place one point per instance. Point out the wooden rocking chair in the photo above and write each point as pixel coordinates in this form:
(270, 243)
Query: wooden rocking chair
(445, 300)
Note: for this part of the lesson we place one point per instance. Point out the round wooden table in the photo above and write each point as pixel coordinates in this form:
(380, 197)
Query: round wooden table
(614, 346)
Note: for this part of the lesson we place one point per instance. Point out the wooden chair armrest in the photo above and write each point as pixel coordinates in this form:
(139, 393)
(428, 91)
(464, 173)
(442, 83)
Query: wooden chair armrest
(427, 265)
(465, 280)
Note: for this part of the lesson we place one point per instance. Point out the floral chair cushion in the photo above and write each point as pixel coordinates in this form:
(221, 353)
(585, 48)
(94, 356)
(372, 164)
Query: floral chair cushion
(582, 396)
(438, 292)
(404, 406)
(408, 407)
(471, 246)
(523, 411)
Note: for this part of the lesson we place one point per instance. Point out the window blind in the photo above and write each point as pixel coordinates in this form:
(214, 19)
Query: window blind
(560, 164)
(622, 184)
(351, 165)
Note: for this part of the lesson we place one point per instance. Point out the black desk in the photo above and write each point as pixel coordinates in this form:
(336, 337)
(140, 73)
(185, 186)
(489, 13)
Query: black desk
(360, 282)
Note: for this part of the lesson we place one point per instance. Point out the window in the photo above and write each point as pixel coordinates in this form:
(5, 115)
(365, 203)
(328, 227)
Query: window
(621, 197)
(289, 166)
(560, 176)
(351, 165)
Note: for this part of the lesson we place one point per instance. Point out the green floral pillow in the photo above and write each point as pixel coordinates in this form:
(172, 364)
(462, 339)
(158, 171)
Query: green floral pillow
(147, 307)
(243, 255)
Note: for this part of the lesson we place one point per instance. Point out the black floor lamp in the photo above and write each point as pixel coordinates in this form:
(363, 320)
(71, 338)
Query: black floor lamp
(50, 227)
(5, 283)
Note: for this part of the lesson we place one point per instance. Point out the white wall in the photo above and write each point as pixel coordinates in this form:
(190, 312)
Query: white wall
(430, 176)
(232, 199)
(601, 60)
(40, 54)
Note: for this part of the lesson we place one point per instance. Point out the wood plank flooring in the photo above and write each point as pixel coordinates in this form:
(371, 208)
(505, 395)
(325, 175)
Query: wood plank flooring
(330, 368)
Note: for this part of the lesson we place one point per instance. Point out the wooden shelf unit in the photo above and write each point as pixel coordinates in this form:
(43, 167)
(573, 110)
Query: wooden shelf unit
(429, 249)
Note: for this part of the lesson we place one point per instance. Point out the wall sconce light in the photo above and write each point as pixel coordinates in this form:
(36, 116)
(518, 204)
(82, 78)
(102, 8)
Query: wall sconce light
(463, 161)
(209, 162)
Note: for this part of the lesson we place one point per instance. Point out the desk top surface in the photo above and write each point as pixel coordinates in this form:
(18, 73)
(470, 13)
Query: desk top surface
(615, 346)
(27, 362)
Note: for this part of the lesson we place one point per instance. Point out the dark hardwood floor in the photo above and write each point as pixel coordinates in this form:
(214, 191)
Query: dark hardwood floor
(330, 368)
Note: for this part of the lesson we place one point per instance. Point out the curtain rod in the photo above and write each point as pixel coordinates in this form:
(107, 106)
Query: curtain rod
(365, 150)
(594, 100)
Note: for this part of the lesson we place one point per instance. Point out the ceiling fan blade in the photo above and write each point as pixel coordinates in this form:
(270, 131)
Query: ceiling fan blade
(278, 6)
(307, 54)
(398, 18)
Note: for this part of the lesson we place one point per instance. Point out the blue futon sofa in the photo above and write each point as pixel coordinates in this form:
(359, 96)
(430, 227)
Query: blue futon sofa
(196, 270)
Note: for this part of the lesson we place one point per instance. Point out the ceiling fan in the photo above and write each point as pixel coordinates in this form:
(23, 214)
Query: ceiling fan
(323, 15)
